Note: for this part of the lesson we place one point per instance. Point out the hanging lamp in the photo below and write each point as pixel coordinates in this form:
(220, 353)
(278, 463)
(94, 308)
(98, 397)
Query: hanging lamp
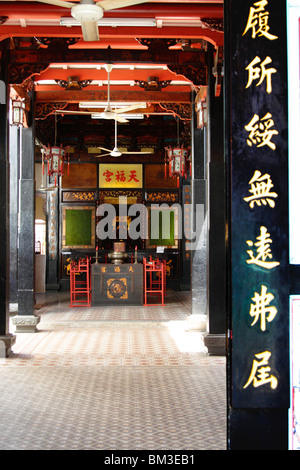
(54, 157)
(18, 112)
(177, 159)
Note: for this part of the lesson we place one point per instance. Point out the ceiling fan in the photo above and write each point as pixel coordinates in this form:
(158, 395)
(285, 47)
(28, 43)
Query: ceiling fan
(108, 113)
(115, 152)
(88, 13)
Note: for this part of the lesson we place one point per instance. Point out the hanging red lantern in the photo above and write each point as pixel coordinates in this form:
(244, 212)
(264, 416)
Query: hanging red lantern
(178, 162)
(54, 157)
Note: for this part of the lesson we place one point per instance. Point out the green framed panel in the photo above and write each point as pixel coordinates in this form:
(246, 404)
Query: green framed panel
(78, 227)
(163, 227)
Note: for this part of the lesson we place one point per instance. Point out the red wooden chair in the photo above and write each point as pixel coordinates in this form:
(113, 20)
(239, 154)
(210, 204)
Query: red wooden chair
(154, 281)
(80, 283)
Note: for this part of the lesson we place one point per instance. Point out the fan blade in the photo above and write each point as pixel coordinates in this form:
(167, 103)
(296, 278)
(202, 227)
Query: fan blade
(130, 108)
(62, 111)
(111, 115)
(90, 30)
(120, 119)
(107, 115)
(114, 4)
(59, 3)
(136, 153)
(102, 155)
(106, 150)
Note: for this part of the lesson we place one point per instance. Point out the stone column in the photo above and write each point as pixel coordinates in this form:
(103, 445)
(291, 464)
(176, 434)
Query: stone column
(7, 340)
(26, 320)
(14, 151)
(215, 340)
(198, 317)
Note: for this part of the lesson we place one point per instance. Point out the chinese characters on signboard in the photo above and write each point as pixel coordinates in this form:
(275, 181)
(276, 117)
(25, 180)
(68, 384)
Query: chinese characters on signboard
(113, 175)
(259, 207)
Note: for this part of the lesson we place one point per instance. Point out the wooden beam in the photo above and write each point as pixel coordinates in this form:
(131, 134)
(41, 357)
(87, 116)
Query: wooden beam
(215, 37)
(95, 95)
(158, 54)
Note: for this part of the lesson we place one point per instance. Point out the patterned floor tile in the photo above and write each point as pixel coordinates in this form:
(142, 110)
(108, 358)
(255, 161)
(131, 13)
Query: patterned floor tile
(85, 383)
(113, 408)
(177, 307)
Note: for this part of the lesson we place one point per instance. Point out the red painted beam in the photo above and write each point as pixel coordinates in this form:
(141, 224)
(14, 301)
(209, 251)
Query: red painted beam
(116, 74)
(28, 9)
(101, 95)
(106, 33)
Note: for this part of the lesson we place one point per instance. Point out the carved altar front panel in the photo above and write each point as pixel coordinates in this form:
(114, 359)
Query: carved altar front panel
(117, 284)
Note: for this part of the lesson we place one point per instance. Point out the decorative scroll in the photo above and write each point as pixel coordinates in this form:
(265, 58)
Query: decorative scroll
(53, 224)
(78, 196)
(162, 196)
(258, 159)
(112, 197)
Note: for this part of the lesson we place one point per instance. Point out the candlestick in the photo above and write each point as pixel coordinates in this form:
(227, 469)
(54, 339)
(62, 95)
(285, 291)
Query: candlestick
(135, 254)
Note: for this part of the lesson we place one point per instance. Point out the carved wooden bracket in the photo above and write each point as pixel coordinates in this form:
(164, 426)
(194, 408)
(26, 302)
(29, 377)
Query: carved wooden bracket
(197, 75)
(22, 72)
(215, 24)
(218, 71)
(61, 43)
(153, 84)
(156, 45)
(25, 44)
(43, 110)
(73, 83)
(182, 110)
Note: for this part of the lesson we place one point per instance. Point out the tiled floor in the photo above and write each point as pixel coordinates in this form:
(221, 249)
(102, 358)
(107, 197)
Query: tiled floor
(112, 379)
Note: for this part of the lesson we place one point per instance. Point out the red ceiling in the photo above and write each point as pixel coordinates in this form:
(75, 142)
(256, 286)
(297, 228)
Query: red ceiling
(28, 10)
(27, 19)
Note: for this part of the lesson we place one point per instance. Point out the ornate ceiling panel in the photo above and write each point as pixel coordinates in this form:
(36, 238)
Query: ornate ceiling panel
(66, 70)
